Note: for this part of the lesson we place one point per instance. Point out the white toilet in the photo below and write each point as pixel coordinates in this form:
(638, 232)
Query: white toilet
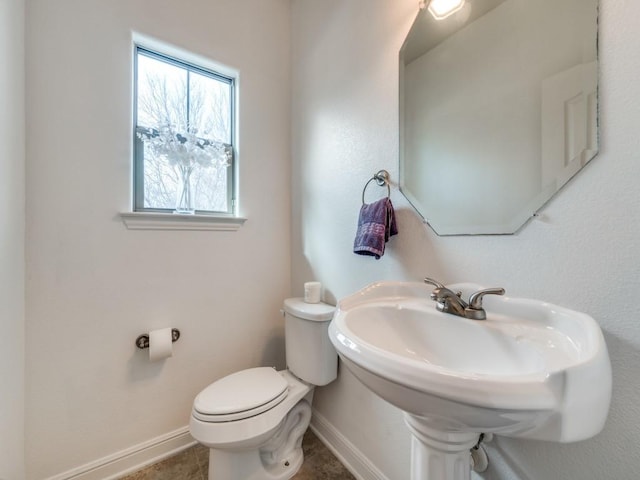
(253, 420)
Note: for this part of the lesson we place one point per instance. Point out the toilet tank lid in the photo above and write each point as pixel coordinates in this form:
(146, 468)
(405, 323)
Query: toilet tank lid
(320, 312)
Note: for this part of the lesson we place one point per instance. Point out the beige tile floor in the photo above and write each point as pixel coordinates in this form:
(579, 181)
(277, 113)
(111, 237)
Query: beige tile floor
(193, 464)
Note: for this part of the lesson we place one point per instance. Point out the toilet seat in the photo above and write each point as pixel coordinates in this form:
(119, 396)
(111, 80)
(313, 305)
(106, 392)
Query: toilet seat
(240, 395)
(254, 430)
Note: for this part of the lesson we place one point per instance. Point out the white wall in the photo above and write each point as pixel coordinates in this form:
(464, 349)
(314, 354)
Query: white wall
(12, 211)
(92, 285)
(582, 252)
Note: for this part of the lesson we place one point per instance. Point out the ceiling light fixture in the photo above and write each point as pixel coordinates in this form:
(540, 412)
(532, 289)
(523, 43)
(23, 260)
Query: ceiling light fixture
(441, 9)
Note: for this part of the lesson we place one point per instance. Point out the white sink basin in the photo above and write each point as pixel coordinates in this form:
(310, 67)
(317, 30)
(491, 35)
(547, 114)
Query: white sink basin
(531, 369)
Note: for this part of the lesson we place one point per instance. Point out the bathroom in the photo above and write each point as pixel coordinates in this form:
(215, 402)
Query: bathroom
(318, 115)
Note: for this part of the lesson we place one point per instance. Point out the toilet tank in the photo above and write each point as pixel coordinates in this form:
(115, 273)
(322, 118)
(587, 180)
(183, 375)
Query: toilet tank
(310, 354)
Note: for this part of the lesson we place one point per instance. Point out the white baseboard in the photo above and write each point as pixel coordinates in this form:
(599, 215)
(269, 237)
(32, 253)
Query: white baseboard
(352, 458)
(157, 449)
(131, 459)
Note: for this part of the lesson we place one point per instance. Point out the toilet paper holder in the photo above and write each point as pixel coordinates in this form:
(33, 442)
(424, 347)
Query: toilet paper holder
(143, 340)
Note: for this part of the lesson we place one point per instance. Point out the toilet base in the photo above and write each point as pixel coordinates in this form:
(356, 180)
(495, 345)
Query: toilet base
(247, 466)
(279, 458)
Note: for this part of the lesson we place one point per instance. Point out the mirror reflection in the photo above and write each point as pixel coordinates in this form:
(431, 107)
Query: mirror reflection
(498, 110)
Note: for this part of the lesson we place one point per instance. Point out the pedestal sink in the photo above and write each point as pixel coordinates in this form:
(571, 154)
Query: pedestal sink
(530, 370)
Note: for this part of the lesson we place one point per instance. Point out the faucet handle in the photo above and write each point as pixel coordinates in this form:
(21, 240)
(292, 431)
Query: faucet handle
(475, 300)
(433, 282)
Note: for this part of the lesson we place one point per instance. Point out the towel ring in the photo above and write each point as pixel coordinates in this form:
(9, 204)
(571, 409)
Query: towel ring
(382, 179)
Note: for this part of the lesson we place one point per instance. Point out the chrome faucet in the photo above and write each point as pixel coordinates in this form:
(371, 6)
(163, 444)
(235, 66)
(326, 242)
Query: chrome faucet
(449, 302)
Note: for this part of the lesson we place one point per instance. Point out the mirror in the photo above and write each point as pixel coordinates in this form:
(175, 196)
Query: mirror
(498, 110)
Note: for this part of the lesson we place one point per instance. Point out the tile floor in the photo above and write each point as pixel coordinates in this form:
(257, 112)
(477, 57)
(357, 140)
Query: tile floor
(193, 463)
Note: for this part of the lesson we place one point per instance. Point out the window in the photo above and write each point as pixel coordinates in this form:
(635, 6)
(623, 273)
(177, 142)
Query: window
(183, 136)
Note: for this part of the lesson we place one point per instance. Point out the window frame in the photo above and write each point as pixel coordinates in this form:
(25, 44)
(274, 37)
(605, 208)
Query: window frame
(138, 144)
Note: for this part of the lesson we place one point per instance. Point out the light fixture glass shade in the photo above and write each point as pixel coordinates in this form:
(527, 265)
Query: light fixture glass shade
(443, 8)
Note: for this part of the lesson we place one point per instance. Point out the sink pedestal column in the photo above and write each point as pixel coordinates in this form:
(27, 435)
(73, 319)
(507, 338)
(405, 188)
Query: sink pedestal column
(437, 455)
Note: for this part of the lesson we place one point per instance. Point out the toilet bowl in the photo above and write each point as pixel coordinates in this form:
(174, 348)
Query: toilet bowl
(253, 421)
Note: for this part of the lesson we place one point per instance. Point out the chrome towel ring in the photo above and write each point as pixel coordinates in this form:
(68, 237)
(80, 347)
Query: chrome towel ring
(382, 179)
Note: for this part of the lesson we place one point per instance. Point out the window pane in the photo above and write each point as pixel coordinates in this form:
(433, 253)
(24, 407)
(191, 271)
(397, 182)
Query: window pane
(162, 93)
(210, 107)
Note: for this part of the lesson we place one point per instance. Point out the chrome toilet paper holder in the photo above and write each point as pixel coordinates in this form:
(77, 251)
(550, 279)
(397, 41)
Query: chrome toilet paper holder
(142, 341)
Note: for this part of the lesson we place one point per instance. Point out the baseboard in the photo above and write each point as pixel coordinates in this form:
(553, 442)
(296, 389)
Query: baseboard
(352, 458)
(131, 459)
(152, 451)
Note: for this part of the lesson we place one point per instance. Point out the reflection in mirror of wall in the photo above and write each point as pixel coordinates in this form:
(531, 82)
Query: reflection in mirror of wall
(498, 110)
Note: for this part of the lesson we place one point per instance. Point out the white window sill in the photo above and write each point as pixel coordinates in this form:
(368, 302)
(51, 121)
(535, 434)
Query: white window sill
(172, 221)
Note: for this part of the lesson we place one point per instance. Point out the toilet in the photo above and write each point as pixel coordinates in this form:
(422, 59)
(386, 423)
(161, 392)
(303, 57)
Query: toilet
(253, 420)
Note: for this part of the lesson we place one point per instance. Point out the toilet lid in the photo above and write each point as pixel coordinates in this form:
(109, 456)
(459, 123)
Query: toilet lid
(242, 391)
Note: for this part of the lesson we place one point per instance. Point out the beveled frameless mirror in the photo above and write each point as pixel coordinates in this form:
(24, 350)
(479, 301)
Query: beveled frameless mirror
(498, 110)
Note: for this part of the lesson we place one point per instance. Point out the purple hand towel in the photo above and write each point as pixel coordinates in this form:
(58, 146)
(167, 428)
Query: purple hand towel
(376, 223)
